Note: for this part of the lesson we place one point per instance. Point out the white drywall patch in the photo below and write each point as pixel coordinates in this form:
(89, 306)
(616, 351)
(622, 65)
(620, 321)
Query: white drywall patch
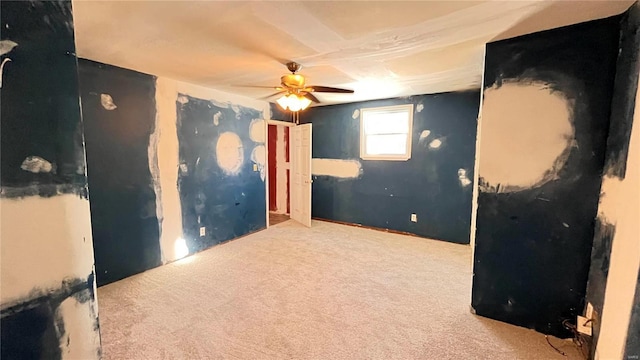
(62, 238)
(216, 118)
(257, 131)
(80, 339)
(236, 109)
(6, 46)
(435, 144)
(259, 157)
(36, 164)
(107, 102)
(356, 114)
(464, 179)
(229, 153)
(419, 107)
(168, 161)
(424, 135)
(336, 167)
(6, 60)
(526, 136)
(154, 169)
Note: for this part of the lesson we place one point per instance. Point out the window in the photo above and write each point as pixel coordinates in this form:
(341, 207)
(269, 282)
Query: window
(385, 133)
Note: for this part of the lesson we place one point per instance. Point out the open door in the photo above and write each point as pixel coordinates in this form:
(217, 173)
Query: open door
(301, 174)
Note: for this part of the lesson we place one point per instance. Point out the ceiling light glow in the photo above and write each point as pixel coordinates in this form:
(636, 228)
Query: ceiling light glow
(293, 102)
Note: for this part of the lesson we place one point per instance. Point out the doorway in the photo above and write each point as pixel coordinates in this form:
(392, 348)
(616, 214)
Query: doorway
(278, 164)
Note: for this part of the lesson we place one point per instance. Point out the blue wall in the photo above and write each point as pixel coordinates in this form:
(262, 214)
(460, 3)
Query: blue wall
(226, 205)
(42, 155)
(123, 202)
(387, 192)
(125, 228)
(40, 107)
(533, 245)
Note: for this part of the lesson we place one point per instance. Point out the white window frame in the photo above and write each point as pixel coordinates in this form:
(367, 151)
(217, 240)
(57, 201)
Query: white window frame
(408, 108)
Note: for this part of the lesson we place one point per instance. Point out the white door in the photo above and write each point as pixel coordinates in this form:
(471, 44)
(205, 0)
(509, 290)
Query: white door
(301, 174)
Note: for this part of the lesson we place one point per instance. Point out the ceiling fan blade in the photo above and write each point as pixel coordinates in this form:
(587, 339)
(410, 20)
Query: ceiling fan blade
(311, 97)
(279, 88)
(330, 89)
(272, 95)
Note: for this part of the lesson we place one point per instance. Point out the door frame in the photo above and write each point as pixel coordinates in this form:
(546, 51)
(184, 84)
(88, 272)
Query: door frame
(268, 122)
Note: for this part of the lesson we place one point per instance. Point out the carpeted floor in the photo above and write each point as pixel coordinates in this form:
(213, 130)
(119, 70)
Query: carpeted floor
(329, 292)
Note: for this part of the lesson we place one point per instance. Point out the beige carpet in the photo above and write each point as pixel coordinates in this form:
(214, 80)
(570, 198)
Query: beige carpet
(329, 292)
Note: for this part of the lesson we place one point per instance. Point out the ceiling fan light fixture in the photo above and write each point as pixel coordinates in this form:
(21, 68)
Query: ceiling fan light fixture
(293, 102)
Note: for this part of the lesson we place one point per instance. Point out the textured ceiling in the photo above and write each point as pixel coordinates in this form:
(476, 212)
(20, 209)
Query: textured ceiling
(379, 49)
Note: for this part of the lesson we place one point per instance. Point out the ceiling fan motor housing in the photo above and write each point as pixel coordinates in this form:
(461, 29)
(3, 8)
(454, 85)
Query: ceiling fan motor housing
(293, 81)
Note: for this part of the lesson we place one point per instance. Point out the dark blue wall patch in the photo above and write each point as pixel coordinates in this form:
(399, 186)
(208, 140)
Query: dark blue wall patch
(41, 136)
(624, 93)
(32, 327)
(119, 112)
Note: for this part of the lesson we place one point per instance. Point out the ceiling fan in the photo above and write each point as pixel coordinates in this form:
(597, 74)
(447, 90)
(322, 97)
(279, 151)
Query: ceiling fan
(296, 94)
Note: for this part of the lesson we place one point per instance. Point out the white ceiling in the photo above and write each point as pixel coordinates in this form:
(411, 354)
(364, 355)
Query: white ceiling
(379, 49)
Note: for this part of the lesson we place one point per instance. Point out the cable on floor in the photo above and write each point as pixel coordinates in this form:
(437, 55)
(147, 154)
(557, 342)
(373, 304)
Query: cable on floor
(579, 339)
(554, 348)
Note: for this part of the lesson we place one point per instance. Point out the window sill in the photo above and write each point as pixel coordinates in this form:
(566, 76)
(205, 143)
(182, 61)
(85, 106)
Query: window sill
(384, 158)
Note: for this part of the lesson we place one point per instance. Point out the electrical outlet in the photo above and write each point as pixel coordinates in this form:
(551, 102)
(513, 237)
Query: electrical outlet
(203, 231)
(589, 313)
(584, 325)
(414, 217)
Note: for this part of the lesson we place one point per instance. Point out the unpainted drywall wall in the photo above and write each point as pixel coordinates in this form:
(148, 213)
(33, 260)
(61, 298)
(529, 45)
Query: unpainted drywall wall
(48, 307)
(434, 184)
(119, 112)
(545, 118)
(618, 321)
(618, 211)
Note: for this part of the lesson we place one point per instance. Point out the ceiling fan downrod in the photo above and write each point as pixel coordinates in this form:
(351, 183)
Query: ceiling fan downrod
(293, 67)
